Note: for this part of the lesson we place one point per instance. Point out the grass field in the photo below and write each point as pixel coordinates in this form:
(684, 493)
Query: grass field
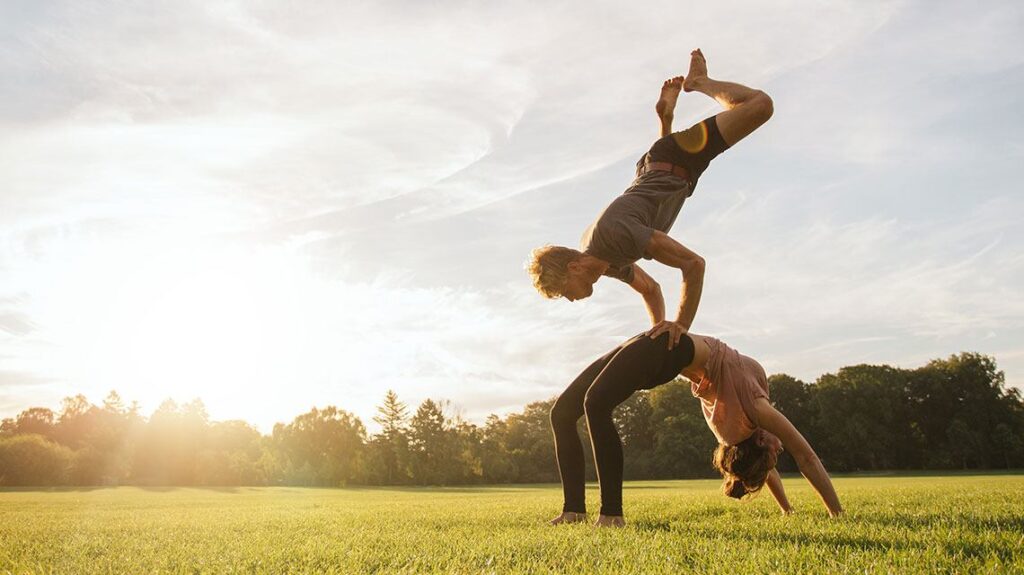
(925, 524)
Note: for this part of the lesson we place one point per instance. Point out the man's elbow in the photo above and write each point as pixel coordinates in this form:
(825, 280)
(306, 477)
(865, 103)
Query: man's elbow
(652, 288)
(694, 265)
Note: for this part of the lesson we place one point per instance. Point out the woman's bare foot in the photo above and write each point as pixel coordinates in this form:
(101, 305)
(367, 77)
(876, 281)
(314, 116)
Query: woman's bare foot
(698, 71)
(666, 105)
(610, 521)
(568, 517)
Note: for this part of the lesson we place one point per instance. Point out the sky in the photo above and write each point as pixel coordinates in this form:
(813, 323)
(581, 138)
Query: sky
(275, 206)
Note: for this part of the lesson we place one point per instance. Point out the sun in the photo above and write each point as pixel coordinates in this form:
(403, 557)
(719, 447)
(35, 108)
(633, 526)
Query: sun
(253, 329)
(230, 323)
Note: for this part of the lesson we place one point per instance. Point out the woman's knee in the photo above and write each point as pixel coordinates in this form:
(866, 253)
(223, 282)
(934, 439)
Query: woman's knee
(564, 413)
(595, 407)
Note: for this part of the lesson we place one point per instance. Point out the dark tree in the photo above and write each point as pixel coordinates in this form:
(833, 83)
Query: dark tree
(430, 445)
(391, 446)
(322, 447)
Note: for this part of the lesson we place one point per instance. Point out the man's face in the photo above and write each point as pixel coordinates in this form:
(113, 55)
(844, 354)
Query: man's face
(577, 285)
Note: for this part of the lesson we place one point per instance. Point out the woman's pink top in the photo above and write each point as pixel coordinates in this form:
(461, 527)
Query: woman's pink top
(731, 383)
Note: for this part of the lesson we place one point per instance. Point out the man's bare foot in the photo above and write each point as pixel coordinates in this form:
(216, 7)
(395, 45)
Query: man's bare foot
(666, 105)
(569, 517)
(698, 71)
(610, 521)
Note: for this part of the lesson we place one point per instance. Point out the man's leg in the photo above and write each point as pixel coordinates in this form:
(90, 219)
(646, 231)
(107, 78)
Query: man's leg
(565, 413)
(666, 105)
(746, 109)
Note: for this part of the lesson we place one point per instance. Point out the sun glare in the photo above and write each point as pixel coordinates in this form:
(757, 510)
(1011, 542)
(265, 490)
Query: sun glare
(231, 324)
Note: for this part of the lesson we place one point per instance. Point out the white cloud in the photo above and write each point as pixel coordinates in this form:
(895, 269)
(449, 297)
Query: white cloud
(375, 173)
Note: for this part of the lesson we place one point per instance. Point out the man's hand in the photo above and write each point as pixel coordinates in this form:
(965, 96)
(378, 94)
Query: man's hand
(675, 332)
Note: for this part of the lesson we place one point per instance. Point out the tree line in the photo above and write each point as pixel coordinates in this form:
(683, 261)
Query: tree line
(954, 413)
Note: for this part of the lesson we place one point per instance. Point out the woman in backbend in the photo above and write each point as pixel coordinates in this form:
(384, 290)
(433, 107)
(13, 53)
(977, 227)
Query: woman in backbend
(733, 391)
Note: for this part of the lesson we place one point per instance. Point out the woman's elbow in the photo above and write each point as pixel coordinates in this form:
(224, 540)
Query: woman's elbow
(807, 460)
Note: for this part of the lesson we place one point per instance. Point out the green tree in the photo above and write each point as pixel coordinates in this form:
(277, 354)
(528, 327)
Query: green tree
(33, 460)
(105, 435)
(531, 444)
(75, 421)
(391, 445)
(429, 444)
(168, 449)
(496, 463)
(230, 455)
(1009, 445)
(633, 419)
(38, 420)
(859, 417)
(467, 451)
(963, 443)
(966, 387)
(323, 447)
(683, 443)
(795, 399)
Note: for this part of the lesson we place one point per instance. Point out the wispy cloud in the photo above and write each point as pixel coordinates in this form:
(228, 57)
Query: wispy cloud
(276, 207)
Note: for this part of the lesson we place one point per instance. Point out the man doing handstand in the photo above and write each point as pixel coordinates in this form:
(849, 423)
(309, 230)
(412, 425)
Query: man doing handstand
(636, 224)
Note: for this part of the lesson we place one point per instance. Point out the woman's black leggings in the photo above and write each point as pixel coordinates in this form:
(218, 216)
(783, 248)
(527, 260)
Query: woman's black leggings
(640, 363)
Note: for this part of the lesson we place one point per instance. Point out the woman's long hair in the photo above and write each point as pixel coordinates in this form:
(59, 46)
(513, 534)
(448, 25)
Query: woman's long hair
(744, 466)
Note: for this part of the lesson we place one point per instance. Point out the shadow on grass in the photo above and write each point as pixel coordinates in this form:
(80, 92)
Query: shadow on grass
(678, 521)
(214, 488)
(1013, 524)
(493, 488)
(966, 550)
(909, 473)
(463, 489)
(90, 488)
(61, 489)
(628, 487)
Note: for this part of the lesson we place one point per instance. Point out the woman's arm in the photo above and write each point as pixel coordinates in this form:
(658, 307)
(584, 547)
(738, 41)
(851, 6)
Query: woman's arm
(810, 466)
(778, 492)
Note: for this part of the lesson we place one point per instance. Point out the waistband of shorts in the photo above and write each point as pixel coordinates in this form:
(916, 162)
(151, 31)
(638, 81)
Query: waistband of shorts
(675, 169)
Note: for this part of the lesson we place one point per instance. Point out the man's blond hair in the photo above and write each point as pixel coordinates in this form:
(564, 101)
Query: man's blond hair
(549, 268)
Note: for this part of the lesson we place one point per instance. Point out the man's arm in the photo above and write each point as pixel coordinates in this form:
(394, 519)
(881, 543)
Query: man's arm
(651, 292)
(672, 253)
